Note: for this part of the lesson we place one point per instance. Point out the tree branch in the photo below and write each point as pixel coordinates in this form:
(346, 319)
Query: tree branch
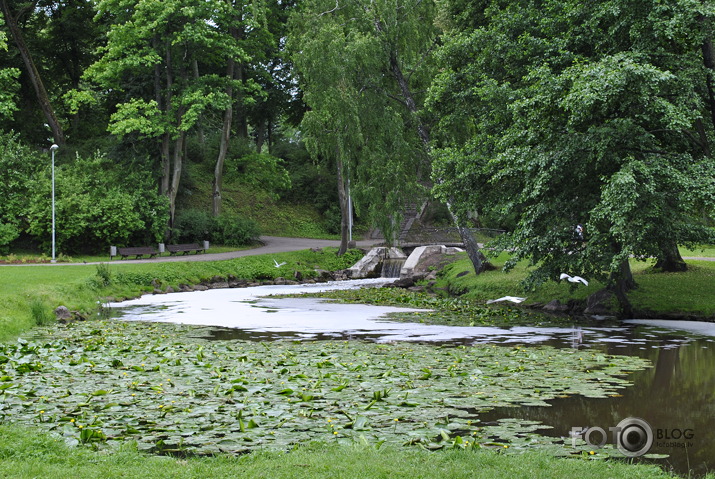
(337, 7)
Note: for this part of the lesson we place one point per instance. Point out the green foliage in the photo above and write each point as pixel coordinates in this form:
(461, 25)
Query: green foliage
(19, 167)
(96, 206)
(104, 275)
(263, 171)
(8, 83)
(8, 234)
(351, 64)
(595, 125)
(194, 225)
(234, 230)
(41, 312)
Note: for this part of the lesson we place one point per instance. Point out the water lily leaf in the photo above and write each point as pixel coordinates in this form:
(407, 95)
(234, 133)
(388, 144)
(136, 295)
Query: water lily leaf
(359, 388)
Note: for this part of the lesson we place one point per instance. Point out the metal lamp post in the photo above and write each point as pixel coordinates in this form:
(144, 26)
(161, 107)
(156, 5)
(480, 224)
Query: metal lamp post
(52, 149)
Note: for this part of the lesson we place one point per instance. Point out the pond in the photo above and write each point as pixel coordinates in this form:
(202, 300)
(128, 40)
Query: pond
(675, 396)
(243, 372)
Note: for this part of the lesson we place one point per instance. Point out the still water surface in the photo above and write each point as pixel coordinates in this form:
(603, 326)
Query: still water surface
(676, 396)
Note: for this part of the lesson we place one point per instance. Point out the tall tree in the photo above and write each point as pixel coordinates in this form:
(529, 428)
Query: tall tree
(12, 21)
(572, 112)
(149, 58)
(244, 23)
(376, 58)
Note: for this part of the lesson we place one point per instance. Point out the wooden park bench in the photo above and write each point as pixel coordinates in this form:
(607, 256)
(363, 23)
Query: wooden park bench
(184, 248)
(137, 252)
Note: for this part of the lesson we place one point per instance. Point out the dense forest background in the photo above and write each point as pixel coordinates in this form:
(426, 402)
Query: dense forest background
(179, 118)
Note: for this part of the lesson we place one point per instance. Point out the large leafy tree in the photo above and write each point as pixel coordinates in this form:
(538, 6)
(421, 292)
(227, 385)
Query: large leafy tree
(13, 13)
(364, 67)
(161, 62)
(352, 122)
(565, 113)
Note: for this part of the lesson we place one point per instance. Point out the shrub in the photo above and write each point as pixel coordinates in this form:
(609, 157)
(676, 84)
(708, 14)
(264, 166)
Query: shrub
(41, 313)
(8, 234)
(104, 275)
(232, 230)
(195, 225)
(97, 205)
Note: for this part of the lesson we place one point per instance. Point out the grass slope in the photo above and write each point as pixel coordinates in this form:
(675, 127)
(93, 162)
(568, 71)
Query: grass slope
(687, 293)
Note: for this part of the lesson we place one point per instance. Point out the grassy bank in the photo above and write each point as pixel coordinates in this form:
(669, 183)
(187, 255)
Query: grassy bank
(687, 293)
(29, 294)
(25, 454)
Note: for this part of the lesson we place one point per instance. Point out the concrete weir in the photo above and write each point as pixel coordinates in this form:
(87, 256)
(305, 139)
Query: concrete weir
(370, 265)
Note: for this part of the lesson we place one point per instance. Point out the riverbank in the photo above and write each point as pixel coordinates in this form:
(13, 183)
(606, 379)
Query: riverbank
(28, 455)
(688, 295)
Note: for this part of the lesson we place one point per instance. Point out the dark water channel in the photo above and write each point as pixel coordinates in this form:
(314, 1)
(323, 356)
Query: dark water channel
(676, 396)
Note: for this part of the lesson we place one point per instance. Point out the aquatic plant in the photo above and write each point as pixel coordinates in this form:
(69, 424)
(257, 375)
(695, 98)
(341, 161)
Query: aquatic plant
(171, 391)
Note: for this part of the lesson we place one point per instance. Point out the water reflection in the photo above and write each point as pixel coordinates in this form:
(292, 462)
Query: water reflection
(676, 395)
(250, 313)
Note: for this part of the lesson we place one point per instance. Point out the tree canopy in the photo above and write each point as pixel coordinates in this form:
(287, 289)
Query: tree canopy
(594, 114)
(532, 115)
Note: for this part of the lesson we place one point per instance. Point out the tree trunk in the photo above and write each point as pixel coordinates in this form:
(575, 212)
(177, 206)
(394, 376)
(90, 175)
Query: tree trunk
(344, 210)
(241, 123)
(199, 124)
(260, 135)
(42, 97)
(670, 260)
(709, 61)
(622, 282)
(225, 137)
(470, 244)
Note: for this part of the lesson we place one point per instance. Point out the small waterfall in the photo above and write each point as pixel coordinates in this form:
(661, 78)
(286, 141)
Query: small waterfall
(391, 267)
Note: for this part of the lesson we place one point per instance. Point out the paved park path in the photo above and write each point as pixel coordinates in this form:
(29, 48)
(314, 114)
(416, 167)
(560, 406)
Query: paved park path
(271, 245)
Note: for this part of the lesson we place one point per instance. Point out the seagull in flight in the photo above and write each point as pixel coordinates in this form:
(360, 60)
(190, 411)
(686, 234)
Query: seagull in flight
(278, 265)
(513, 299)
(573, 279)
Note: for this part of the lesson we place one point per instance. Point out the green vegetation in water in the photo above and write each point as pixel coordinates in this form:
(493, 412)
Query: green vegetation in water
(453, 311)
(160, 386)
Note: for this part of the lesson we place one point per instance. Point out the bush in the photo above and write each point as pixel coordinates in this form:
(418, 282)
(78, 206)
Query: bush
(41, 313)
(195, 225)
(233, 230)
(97, 205)
(8, 234)
(19, 165)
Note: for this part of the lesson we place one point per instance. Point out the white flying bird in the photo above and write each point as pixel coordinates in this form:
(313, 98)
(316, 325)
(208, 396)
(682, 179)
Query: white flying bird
(513, 299)
(573, 279)
(278, 265)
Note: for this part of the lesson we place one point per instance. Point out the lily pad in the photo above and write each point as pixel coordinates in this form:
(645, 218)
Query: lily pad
(168, 390)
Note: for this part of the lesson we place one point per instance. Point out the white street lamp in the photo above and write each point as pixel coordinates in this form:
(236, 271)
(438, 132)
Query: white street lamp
(52, 149)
